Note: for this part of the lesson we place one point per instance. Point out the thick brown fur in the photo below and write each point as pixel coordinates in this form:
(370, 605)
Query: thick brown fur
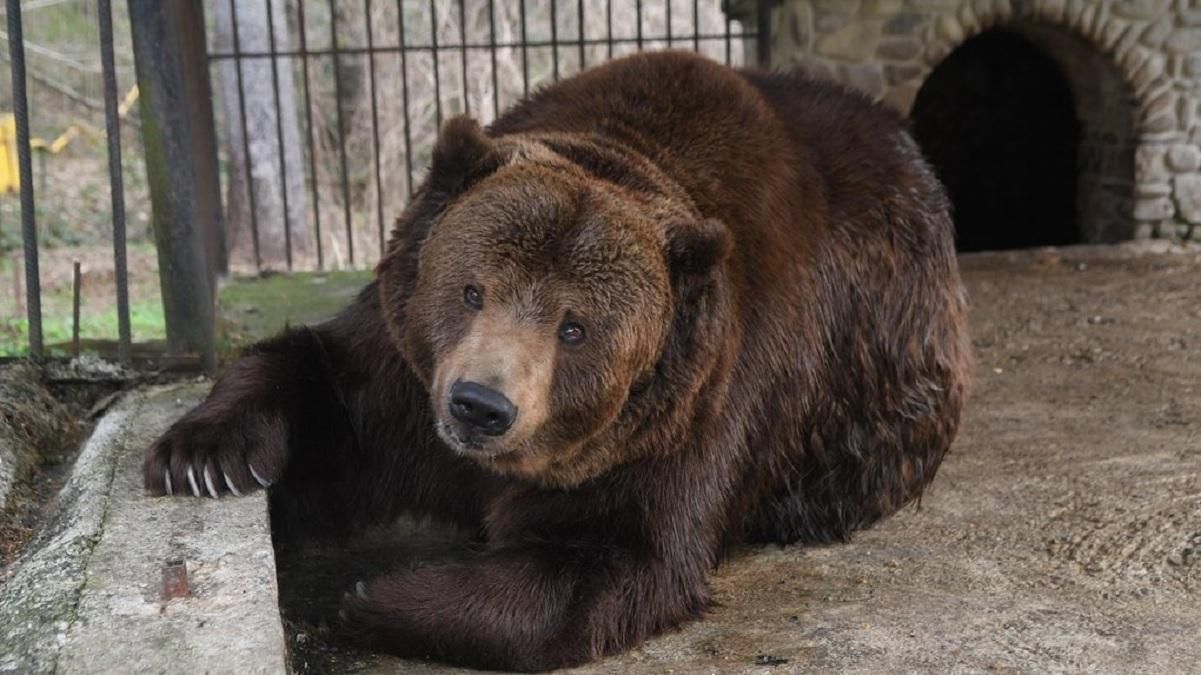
(776, 351)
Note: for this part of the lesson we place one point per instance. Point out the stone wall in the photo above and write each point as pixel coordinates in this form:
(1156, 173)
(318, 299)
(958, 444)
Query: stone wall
(1132, 63)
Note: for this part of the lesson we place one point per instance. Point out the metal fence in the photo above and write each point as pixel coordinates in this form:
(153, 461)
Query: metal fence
(287, 134)
(22, 141)
(362, 87)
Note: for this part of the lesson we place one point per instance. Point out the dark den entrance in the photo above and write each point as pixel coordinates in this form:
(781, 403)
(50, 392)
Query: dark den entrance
(998, 121)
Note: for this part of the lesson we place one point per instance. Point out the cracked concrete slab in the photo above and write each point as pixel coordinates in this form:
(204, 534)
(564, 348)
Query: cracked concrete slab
(87, 595)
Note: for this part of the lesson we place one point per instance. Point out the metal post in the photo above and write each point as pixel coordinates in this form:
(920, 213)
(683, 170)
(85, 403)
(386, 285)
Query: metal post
(112, 123)
(29, 229)
(76, 288)
(763, 34)
(179, 138)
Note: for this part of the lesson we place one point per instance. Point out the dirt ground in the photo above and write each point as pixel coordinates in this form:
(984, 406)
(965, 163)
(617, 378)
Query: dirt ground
(1063, 533)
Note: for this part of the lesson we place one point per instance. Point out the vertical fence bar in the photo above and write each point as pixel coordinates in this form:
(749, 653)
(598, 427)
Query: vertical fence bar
(308, 121)
(554, 41)
(333, 31)
(250, 192)
(580, 16)
(181, 164)
(29, 229)
(76, 289)
(638, 18)
(525, 53)
(763, 33)
(112, 126)
(379, 189)
(463, 53)
(492, 51)
(279, 133)
(667, 8)
(727, 38)
(609, 26)
(437, 58)
(404, 98)
(696, 26)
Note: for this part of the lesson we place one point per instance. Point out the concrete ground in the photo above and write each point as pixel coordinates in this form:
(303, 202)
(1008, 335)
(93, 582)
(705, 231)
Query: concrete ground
(89, 595)
(1063, 532)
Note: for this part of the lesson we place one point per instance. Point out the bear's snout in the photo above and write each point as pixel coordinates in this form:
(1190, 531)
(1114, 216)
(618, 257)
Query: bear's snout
(482, 408)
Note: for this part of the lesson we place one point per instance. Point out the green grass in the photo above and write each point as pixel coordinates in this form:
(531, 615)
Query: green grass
(249, 309)
(252, 309)
(145, 317)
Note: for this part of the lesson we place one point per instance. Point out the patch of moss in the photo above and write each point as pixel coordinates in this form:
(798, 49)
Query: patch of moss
(255, 308)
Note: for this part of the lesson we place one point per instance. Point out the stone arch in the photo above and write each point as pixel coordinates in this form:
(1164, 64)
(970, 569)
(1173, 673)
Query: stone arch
(1092, 197)
(1148, 49)
(1134, 115)
(1121, 35)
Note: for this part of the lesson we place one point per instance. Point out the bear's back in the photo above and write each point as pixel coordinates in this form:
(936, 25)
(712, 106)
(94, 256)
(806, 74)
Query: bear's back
(853, 362)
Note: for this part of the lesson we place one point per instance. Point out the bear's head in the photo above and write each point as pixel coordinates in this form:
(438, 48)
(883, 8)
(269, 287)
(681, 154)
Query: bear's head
(562, 301)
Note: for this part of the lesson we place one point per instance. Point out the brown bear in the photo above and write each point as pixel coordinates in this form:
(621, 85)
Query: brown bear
(656, 310)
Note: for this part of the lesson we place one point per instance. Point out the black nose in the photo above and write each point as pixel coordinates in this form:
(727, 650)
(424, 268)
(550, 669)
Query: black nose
(482, 407)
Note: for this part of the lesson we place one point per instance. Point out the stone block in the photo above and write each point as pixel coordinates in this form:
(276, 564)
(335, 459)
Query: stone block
(828, 23)
(1154, 208)
(1150, 165)
(901, 97)
(794, 29)
(899, 48)
(1140, 9)
(838, 6)
(882, 8)
(866, 77)
(897, 73)
(856, 41)
(906, 23)
(1184, 41)
(1187, 191)
(947, 27)
(1148, 73)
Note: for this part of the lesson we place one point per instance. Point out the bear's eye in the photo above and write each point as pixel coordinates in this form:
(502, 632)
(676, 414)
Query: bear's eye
(571, 333)
(473, 298)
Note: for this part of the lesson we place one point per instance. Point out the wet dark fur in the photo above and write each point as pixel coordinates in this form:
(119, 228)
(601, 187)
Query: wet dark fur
(827, 316)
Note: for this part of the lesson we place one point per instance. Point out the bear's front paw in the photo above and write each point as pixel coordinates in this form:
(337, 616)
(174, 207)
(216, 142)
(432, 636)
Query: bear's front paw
(380, 614)
(204, 454)
(359, 617)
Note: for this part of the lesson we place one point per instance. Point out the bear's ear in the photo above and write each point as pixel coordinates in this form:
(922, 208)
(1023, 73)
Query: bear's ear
(463, 155)
(694, 248)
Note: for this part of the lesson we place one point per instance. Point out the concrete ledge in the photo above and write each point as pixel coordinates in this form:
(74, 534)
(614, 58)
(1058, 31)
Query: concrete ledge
(87, 596)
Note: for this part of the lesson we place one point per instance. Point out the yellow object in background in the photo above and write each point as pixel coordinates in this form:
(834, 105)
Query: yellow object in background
(10, 175)
(55, 146)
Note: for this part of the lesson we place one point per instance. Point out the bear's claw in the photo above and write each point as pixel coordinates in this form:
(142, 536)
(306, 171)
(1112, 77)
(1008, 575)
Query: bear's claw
(192, 482)
(262, 481)
(230, 484)
(360, 589)
(208, 484)
(167, 481)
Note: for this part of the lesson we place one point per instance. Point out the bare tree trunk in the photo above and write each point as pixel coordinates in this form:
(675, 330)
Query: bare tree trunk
(259, 95)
